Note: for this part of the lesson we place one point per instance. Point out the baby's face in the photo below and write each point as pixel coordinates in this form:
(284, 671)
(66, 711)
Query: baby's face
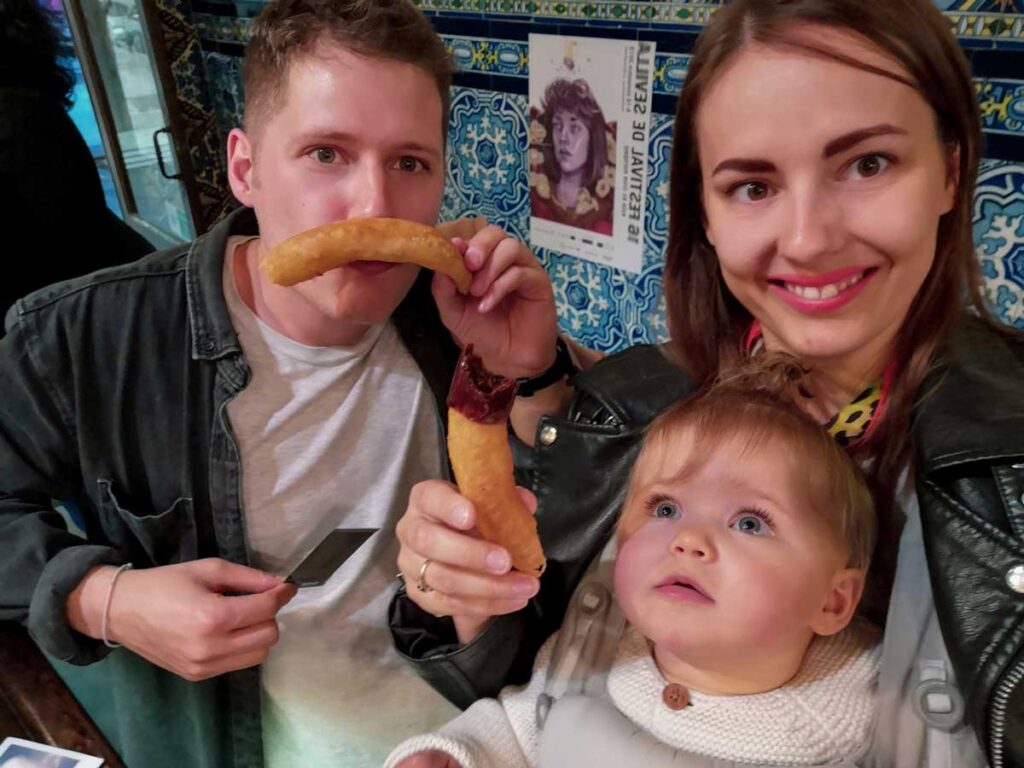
(729, 560)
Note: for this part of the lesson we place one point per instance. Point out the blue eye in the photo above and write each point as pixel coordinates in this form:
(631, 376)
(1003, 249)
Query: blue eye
(665, 509)
(752, 523)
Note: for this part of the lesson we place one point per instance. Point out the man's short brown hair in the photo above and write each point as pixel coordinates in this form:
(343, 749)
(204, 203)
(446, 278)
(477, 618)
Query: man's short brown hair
(386, 29)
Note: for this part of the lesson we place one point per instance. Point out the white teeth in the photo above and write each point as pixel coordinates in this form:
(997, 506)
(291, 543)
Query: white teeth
(824, 292)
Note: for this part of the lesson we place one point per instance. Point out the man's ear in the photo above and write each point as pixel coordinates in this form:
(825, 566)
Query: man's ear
(241, 174)
(841, 601)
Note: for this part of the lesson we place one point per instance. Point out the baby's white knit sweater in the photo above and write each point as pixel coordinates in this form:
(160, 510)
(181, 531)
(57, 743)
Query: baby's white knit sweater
(823, 715)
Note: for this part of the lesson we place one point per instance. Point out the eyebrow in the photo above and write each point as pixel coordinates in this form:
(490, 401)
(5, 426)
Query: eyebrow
(853, 138)
(834, 147)
(346, 138)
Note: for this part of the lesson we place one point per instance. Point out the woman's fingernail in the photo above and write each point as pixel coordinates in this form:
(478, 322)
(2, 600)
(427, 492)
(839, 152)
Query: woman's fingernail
(462, 515)
(497, 561)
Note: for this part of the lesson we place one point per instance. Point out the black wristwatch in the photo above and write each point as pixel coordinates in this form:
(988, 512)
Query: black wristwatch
(563, 366)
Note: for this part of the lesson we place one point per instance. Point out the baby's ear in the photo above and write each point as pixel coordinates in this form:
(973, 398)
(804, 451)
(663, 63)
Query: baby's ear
(840, 602)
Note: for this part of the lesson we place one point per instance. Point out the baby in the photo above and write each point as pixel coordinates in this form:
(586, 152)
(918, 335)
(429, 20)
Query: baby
(742, 551)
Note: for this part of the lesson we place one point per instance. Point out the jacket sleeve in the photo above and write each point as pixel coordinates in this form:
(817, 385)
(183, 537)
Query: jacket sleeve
(43, 560)
(502, 654)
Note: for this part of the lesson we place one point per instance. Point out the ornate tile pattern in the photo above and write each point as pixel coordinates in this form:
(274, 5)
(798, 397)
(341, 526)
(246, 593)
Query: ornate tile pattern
(1002, 100)
(998, 227)
(203, 136)
(487, 173)
(225, 73)
(1002, 105)
(993, 28)
(511, 59)
(603, 307)
(637, 12)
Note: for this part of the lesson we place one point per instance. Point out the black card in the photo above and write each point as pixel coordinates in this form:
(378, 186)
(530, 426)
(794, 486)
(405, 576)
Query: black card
(328, 556)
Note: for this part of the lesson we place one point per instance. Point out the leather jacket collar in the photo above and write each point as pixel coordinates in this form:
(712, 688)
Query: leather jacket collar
(972, 407)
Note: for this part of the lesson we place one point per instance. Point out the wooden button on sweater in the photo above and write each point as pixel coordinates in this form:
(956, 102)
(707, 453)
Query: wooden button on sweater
(675, 696)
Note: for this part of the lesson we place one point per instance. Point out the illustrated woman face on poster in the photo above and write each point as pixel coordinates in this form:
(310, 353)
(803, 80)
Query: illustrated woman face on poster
(578, 151)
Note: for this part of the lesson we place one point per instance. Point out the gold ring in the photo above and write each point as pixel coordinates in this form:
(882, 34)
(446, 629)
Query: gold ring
(421, 582)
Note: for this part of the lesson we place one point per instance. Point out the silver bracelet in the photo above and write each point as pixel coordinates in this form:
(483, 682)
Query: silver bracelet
(106, 607)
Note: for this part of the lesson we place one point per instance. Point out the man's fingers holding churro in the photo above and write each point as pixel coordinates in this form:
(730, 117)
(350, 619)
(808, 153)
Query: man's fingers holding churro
(482, 244)
(508, 314)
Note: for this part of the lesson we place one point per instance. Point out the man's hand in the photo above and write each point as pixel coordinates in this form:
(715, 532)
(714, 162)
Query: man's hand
(179, 617)
(509, 314)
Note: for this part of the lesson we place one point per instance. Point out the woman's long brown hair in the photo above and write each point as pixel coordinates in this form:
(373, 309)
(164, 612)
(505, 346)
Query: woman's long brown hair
(706, 322)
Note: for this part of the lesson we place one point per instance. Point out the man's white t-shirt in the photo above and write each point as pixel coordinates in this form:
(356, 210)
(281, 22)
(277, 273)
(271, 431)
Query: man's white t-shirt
(333, 438)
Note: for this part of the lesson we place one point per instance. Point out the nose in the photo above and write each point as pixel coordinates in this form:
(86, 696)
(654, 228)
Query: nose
(369, 194)
(694, 540)
(811, 225)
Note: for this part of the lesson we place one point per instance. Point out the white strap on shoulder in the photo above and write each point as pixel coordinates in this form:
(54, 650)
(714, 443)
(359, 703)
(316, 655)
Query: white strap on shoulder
(588, 638)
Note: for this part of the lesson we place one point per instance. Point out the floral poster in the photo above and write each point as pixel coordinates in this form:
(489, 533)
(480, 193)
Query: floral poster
(590, 106)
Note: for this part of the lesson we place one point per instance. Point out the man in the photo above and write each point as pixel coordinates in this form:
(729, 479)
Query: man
(211, 428)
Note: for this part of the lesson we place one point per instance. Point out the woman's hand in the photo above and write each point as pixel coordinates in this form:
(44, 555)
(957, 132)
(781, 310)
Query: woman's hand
(465, 577)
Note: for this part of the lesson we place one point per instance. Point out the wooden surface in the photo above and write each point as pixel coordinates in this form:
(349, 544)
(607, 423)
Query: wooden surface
(35, 704)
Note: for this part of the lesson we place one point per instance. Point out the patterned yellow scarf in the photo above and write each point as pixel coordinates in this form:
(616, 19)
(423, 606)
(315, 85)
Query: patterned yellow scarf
(853, 422)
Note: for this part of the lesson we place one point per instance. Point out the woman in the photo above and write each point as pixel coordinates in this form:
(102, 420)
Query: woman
(572, 173)
(822, 178)
(50, 188)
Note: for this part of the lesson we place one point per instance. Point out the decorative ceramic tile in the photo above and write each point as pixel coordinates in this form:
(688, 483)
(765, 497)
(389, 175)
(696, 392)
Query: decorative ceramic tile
(997, 6)
(223, 29)
(602, 307)
(670, 72)
(225, 74)
(203, 138)
(1002, 101)
(644, 13)
(988, 27)
(998, 227)
(511, 58)
(994, 22)
(1002, 105)
(477, 54)
(487, 159)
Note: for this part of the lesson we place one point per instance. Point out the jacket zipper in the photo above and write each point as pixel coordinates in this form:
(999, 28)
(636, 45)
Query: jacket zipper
(999, 704)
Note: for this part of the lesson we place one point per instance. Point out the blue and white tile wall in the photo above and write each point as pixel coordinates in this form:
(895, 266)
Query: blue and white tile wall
(602, 307)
